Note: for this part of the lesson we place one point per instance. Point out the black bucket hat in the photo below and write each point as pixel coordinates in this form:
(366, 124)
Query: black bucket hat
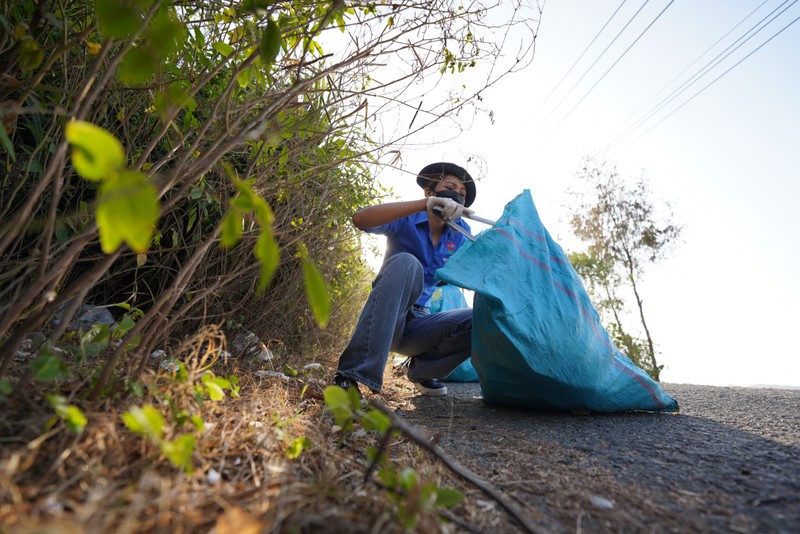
(436, 171)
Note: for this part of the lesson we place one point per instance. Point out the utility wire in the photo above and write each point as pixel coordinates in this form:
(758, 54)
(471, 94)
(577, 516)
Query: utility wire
(614, 14)
(611, 67)
(738, 43)
(744, 38)
(681, 73)
(595, 61)
(717, 78)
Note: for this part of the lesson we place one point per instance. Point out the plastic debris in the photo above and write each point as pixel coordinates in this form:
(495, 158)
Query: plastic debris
(274, 374)
(213, 476)
(601, 502)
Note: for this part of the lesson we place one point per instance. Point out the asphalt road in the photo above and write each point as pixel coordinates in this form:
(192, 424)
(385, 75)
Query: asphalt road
(729, 462)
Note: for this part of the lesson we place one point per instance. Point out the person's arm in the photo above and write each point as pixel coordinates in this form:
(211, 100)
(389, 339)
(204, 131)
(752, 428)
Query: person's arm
(380, 214)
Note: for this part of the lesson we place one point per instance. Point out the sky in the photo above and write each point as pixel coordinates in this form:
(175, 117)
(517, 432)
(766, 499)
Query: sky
(722, 308)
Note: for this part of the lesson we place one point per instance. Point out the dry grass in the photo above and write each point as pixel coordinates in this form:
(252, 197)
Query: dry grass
(108, 479)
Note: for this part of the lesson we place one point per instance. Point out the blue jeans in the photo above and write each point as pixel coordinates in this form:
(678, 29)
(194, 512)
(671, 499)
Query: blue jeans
(389, 321)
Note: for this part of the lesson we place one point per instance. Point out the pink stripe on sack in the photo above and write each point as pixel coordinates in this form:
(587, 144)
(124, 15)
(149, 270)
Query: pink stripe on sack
(537, 237)
(527, 232)
(524, 254)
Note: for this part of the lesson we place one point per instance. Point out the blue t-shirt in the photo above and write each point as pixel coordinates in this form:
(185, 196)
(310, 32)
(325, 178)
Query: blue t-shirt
(412, 234)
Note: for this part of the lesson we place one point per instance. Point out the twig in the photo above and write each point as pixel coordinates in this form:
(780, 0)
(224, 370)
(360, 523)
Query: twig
(465, 474)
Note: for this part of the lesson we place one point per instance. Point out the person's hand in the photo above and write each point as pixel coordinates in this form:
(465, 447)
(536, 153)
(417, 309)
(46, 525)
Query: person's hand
(449, 208)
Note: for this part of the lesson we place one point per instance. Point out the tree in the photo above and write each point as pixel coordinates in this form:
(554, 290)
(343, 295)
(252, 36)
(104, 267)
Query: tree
(625, 234)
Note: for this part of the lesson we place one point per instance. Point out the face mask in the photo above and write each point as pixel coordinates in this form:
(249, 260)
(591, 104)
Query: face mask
(449, 193)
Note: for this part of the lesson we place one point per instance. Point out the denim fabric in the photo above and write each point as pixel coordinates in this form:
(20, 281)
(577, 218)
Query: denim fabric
(412, 234)
(439, 342)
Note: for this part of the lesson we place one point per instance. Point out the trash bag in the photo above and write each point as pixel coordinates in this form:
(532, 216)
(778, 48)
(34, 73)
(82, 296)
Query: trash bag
(537, 340)
(449, 297)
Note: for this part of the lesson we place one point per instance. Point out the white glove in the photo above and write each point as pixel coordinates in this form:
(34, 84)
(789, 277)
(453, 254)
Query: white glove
(450, 209)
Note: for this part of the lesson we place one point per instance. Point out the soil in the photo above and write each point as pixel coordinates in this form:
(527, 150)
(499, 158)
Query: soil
(729, 462)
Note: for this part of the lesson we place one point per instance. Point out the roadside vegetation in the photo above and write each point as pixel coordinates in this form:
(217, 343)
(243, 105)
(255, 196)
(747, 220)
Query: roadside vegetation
(625, 233)
(180, 175)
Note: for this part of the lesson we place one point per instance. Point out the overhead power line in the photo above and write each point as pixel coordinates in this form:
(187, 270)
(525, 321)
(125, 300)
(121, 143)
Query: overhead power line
(681, 73)
(715, 80)
(614, 14)
(738, 43)
(612, 66)
(706, 69)
(595, 61)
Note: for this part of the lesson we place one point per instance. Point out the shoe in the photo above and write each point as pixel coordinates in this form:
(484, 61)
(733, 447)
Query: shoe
(431, 387)
(345, 383)
(428, 386)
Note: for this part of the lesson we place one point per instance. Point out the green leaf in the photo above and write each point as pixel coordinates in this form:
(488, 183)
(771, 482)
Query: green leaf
(355, 399)
(75, 419)
(374, 455)
(30, 55)
(72, 415)
(127, 210)
(124, 326)
(297, 446)
(95, 340)
(170, 100)
(256, 6)
(242, 203)
(267, 250)
(118, 18)
(223, 48)
(192, 219)
(96, 153)
(198, 423)
(5, 387)
(263, 212)
(62, 232)
(199, 39)
(47, 367)
(335, 397)
(6, 142)
(146, 421)
(166, 32)
(231, 229)
(138, 66)
(179, 451)
(268, 253)
(134, 342)
(224, 383)
(377, 420)
(245, 76)
(388, 475)
(409, 479)
(448, 497)
(136, 388)
(271, 42)
(316, 293)
(338, 403)
(215, 392)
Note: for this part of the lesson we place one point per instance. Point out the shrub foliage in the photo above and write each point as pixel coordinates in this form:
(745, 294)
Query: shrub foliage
(191, 163)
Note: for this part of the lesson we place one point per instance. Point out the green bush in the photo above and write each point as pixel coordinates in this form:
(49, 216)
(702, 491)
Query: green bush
(200, 161)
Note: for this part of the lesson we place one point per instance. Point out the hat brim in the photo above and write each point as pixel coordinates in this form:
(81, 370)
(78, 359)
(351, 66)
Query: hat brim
(437, 170)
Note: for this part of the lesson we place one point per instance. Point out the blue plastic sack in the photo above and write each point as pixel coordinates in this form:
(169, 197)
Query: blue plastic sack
(537, 340)
(449, 297)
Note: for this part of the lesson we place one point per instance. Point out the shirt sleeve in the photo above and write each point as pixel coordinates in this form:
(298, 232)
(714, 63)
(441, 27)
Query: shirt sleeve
(388, 229)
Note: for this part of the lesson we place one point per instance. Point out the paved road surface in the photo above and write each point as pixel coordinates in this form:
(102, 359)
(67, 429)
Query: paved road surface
(730, 462)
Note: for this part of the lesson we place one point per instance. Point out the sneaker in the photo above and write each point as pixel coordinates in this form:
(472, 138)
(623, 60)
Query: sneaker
(345, 383)
(432, 387)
